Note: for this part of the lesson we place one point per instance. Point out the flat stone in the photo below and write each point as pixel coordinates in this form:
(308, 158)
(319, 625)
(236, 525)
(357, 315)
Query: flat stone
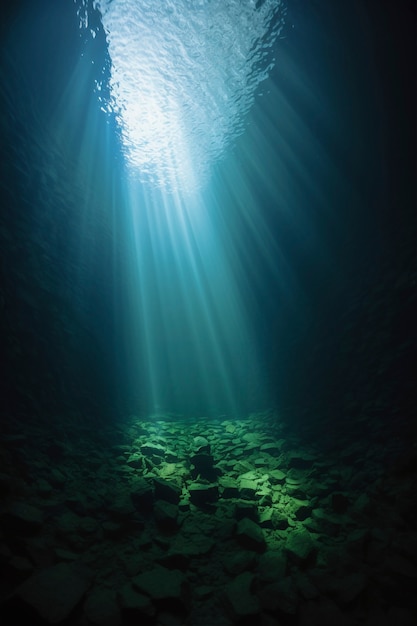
(301, 460)
(300, 546)
(250, 535)
(329, 523)
(161, 583)
(153, 449)
(251, 437)
(228, 487)
(166, 490)
(273, 449)
(294, 481)
(247, 489)
(239, 596)
(142, 496)
(166, 514)
(261, 461)
(276, 477)
(273, 518)
(55, 591)
(202, 494)
(265, 518)
(248, 476)
(135, 461)
(201, 444)
(302, 511)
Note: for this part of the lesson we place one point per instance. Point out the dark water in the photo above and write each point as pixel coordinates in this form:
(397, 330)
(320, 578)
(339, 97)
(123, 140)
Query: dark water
(325, 247)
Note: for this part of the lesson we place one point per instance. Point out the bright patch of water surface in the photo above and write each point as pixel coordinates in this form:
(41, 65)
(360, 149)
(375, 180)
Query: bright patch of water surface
(184, 74)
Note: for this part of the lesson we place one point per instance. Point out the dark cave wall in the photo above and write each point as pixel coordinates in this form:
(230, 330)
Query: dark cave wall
(55, 247)
(355, 352)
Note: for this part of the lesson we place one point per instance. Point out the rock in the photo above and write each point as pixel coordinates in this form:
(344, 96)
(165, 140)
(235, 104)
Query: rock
(166, 514)
(300, 547)
(121, 509)
(302, 511)
(201, 444)
(273, 449)
(261, 461)
(101, 608)
(250, 535)
(265, 518)
(203, 494)
(203, 467)
(55, 591)
(142, 497)
(272, 565)
(135, 605)
(22, 518)
(196, 545)
(240, 598)
(254, 438)
(135, 461)
(301, 460)
(44, 488)
(247, 489)
(153, 451)
(166, 490)
(57, 478)
(272, 518)
(328, 522)
(238, 562)
(246, 508)
(276, 477)
(161, 583)
(168, 470)
(228, 487)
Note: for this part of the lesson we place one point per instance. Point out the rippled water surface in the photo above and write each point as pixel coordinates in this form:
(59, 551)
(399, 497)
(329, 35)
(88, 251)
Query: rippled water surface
(184, 74)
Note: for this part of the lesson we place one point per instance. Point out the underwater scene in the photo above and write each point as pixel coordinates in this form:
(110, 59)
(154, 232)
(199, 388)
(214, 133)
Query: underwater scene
(208, 313)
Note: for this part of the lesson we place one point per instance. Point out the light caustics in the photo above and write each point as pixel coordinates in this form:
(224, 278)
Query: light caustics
(184, 74)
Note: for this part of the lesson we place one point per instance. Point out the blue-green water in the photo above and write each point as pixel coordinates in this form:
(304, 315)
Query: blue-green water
(205, 205)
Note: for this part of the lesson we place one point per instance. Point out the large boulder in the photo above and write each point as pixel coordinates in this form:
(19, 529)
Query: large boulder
(53, 593)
